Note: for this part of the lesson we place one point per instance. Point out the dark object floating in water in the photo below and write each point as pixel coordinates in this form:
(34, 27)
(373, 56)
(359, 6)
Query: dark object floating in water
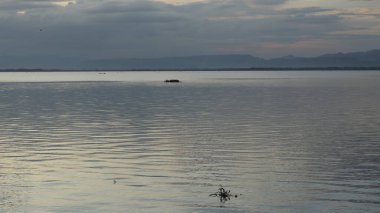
(173, 81)
(224, 195)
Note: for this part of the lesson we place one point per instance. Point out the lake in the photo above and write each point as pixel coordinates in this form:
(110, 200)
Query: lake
(128, 142)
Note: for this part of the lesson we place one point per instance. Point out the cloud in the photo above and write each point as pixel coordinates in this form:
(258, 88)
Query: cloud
(269, 2)
(123, 7)
(10, 5)
(90, 29)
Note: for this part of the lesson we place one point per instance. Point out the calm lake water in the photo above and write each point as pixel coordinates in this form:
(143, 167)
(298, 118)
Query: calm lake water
(284, 142)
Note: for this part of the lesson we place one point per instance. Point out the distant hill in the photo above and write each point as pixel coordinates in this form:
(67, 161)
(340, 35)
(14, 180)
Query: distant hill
(354, 59)
(359, 60)
(190, 62)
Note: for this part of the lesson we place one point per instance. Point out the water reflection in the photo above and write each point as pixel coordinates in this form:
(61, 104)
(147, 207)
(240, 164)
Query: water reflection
(284, 146)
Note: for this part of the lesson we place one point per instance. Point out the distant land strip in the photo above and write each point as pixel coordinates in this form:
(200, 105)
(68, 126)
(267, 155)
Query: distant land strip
(207, 69)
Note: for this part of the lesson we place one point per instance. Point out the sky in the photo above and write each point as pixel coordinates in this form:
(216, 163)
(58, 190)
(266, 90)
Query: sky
(97, 29)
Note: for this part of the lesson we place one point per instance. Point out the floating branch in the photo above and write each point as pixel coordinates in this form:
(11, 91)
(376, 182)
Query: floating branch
(224, 195)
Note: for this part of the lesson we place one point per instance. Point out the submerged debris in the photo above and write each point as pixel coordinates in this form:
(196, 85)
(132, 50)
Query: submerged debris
(172, 81)
(224, 195)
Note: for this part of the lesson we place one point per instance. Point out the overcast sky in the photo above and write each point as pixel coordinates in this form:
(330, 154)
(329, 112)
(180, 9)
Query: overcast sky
(92, 29)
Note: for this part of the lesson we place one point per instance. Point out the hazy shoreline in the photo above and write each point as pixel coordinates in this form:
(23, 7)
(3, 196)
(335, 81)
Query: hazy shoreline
(221, 69)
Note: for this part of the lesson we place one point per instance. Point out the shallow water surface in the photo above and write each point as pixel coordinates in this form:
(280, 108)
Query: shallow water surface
(283, 142)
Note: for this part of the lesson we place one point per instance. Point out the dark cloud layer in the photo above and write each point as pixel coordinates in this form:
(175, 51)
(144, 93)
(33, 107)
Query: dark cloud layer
(90, 29)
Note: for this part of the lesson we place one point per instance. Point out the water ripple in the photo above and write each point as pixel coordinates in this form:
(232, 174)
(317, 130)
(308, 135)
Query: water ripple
(107, 147)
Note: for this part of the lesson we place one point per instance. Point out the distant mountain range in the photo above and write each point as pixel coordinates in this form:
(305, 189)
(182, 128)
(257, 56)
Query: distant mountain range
(353, 60)
(338, 60)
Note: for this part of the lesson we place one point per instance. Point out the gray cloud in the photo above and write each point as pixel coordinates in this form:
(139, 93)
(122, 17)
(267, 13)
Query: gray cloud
(269, 2)
(9, 5)
(307, 10)
(123, 7)
(93, 29)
